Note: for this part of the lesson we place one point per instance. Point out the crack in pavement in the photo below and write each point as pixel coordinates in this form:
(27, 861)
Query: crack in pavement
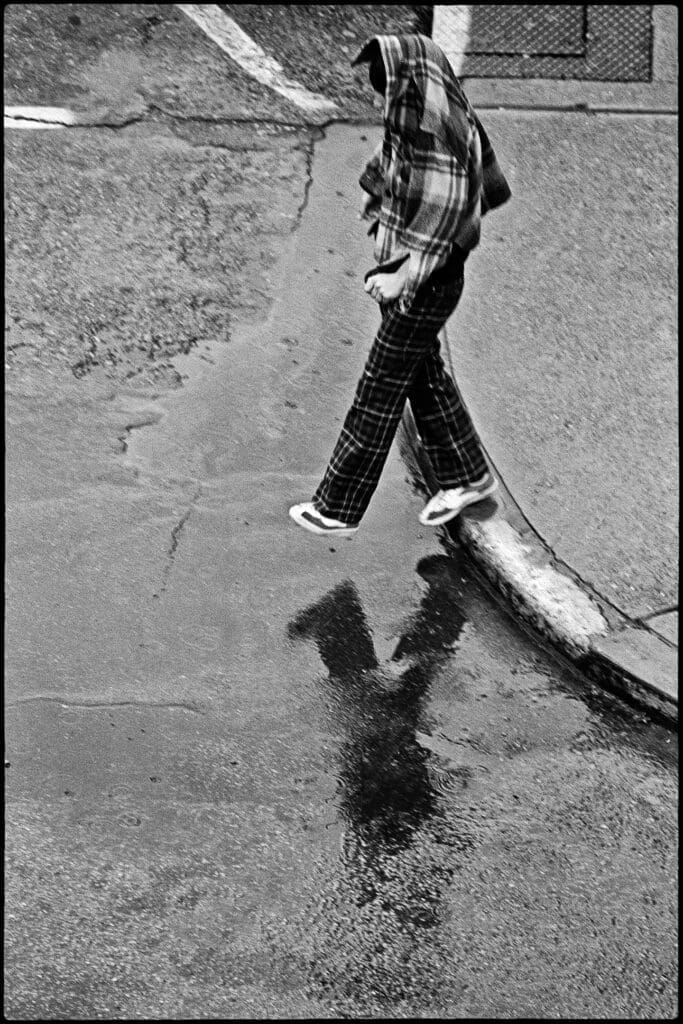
(197, 186)
(175, 539)
(315, 136)
(150, 109)
(149, 420)
(648, 623)
(660, 611)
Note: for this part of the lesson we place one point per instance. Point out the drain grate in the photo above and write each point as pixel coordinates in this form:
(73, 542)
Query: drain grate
(601, 43)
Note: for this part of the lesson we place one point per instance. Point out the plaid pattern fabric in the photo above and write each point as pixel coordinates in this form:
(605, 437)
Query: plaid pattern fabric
(436, 172)
(431, 198)
(404, 363)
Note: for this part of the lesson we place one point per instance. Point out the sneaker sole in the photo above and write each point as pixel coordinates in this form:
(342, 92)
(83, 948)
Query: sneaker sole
(446, 517)
(321, 531)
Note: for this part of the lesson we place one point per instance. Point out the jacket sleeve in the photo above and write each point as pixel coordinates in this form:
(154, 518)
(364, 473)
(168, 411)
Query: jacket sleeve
(372, 182)
(437, 201)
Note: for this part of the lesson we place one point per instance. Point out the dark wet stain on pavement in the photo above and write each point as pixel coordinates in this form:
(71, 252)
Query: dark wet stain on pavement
(448, 852)
(441, 825)
(389, 792)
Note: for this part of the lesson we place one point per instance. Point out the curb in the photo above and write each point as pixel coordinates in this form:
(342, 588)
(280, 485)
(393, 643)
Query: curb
(625, 658)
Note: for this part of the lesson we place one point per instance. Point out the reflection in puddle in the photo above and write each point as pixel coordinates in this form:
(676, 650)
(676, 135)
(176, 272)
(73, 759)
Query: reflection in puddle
(386, 789)
(402, 847)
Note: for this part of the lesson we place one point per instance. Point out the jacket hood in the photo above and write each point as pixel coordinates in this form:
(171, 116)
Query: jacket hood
(423, 92)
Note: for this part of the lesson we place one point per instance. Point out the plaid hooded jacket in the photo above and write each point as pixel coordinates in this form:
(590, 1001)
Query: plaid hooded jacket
(436, 172)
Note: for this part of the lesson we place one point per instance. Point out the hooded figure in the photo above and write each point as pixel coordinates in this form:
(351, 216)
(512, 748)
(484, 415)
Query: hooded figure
(428, 185)
(436, 172)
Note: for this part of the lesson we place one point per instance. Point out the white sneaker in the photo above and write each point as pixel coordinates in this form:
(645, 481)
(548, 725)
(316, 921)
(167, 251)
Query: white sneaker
(447, 505)
(307, 515)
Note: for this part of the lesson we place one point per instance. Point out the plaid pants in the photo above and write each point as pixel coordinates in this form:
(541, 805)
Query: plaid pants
(404, 363)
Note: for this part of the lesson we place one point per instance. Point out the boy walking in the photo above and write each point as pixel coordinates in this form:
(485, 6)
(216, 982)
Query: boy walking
(428, 186)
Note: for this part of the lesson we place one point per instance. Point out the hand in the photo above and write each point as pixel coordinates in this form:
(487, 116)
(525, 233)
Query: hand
(386, 287)
(369, 207)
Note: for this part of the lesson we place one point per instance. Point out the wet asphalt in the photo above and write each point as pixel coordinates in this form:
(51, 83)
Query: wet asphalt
(256, 774)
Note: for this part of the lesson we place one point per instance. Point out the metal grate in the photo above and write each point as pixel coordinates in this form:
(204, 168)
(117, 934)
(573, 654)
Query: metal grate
(526, 30)
(602, 42)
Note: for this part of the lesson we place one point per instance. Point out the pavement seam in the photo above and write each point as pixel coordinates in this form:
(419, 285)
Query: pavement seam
(660, 611)
(314, 126)
(85, 121)
(578, 108)
(98, 704)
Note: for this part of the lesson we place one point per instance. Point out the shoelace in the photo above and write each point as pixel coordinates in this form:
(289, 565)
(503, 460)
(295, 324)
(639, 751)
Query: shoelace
(442, 502)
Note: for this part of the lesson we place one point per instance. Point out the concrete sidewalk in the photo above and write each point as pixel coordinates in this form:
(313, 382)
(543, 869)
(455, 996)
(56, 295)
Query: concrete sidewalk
(565, 349)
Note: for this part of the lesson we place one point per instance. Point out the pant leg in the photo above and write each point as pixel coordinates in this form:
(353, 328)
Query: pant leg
(444, 424)
(403, 341)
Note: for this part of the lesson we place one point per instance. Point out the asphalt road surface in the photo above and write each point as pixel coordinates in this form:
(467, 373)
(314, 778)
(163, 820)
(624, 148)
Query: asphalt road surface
(250, 773)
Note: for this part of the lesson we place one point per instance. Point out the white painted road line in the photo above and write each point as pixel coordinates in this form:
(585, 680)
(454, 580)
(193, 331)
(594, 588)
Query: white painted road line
(38, 117)
(249, 55)
(452, 25)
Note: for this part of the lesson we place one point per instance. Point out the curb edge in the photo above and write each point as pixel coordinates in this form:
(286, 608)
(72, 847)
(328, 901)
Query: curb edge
(627, 660)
